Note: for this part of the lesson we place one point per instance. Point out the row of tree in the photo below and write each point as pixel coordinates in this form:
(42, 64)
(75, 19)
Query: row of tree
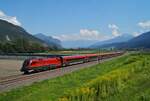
(22, 46)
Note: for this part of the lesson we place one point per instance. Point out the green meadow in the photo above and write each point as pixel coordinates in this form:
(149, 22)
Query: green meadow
(126, 78)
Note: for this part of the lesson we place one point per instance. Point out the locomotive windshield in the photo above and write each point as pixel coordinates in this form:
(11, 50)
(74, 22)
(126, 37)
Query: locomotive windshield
(26, 62)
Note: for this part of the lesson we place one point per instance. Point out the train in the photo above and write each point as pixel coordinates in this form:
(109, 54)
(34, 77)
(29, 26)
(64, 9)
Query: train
(48, 63)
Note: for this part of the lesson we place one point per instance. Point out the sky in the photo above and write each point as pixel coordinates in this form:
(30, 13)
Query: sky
(78, 19)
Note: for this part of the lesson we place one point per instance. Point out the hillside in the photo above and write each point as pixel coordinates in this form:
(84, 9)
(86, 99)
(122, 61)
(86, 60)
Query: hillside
(49, 40)
(142, 41)
(122, 38)
(16, 39)
(10, 32)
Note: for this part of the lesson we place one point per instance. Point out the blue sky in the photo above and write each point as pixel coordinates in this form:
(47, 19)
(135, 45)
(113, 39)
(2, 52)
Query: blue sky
(70, 18)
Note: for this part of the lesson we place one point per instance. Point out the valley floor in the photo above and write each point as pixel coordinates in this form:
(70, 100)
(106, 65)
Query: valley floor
(125, 78)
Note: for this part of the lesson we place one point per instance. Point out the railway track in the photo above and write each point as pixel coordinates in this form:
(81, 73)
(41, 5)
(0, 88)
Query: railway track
(22, 77)
(14, 81)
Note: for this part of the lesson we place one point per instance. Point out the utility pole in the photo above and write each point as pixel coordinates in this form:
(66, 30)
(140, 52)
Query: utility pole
(99, 57)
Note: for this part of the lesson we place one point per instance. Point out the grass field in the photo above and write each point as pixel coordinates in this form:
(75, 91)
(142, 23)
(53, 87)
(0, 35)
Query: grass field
(122, 79)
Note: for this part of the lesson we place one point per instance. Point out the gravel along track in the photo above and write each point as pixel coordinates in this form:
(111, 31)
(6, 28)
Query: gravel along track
(9, 67)
(15, 81)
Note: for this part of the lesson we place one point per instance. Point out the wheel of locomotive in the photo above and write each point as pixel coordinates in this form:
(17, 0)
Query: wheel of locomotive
(35, 71)
(65, 64)
(52, 67)
(26, 72)
(85, 60)
(49, 67)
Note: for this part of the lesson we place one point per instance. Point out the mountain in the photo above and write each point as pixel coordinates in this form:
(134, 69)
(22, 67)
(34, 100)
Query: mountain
(10, 32)
(49, 40)
(141, 41)
(119, 39)
(14, 38)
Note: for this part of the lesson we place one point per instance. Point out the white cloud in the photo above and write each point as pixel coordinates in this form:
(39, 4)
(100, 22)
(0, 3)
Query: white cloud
(115, 29)
(1, 13)
(145, 27)
(10, 19)
(89, 34)
(144, 24)
(84, 34)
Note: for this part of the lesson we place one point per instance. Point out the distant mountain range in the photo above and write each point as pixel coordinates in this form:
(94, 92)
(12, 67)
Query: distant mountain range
(49, 40)
(122, 38)
(9, 35)
(142, 41)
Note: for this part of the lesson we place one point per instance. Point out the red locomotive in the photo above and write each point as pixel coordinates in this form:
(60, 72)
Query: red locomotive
(39, 64)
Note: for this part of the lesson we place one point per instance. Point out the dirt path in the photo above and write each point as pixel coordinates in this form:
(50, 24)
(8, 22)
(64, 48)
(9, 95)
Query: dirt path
(9, 67)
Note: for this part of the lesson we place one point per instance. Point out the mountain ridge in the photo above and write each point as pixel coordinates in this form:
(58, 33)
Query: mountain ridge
(14, 38)
(141, 41)
(122, 38)
(49, 40)
(13, 32)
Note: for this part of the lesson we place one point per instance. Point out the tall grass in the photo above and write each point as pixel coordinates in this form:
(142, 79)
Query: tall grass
(111, 86)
